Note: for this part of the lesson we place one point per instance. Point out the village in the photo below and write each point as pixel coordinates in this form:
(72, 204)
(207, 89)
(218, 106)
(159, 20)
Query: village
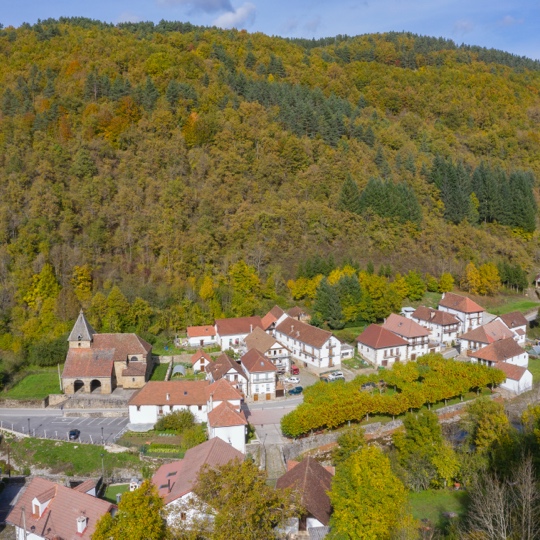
(261, 361)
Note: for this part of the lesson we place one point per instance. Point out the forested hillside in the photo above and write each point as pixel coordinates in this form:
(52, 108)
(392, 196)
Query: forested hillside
(161, 175)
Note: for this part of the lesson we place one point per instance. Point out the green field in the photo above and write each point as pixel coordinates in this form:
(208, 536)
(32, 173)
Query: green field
(431, 504)
(111, 491)
(514, 305)
(70, 458)
(534, 368)
(159, 372)
(349, 334)
(35, 386)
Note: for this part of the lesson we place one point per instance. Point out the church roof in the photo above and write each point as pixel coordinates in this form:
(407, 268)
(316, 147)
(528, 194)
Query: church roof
(82, 329)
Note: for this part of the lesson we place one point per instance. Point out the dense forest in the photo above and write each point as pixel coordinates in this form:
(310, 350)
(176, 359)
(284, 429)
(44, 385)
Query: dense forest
(163, 175)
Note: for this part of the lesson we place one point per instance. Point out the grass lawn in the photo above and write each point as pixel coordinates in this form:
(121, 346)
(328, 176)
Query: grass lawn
(514, 304)
(35, 386)
(349, 334)
(534, 368)
(111, 491)
(431, 504)
(70, 458)
(159, 372)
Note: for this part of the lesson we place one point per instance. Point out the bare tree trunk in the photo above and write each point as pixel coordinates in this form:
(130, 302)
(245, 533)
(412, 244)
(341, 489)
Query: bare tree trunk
(526, 497)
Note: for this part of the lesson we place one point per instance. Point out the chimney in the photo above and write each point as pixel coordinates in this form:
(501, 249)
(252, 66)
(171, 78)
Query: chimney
(169, 484)
(81, 524)
(250, 328)
(168, 396)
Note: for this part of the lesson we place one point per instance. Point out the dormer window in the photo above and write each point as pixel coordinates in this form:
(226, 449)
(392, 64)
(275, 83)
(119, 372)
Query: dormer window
(36, 509)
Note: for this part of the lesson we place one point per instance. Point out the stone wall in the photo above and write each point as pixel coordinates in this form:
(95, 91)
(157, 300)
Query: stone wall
(57, 399)
(24, 403)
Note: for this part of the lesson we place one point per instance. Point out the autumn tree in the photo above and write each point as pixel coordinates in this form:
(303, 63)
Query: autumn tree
(369, 501)
(140, 515)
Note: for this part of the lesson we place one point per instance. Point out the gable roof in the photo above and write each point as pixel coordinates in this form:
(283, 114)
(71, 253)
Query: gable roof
(311, 335)
(179, 393)
(512, 372)
(499, 351)
(82, 330)
(514, 319)
(237, 326)
(404, 327)
(296, 312)
(89, 363)
(434, 316)
(225, 415)
(460, 303)
(313, 482)
(200, 354)
(183, 474)
(222, 365)
(377, 337)
(200, 331)
(271, 317)
(255, 362)
(223, 390)
(260, 340)
(488, 333)
(59, 520)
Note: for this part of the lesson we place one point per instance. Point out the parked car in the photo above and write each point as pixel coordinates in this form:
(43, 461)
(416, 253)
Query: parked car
(296, 390)
(295, 370)
(336, 376)
(74, 434)
(292, 380)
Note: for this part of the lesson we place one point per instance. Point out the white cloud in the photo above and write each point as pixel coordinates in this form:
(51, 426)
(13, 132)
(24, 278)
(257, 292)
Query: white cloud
(510, 21)
(127, 16)
(463, 27)
(313, 24)
(207, 6)
(237, 18)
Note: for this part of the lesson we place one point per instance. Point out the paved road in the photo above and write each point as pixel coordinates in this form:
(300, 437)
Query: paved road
(52, 424)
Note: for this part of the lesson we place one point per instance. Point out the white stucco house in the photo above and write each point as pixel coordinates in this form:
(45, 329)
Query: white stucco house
(504, 350)
(380, 347)
(308, 344)
(230, 333)
(201, 336)
(516, 322)
(415, 335)
(229, 424)
(443, 327)
(270, 347)
(224, 367)
(261, 374)
(200, 360)
(518, 379)
(484, 335)
(466, 310)
(158, 398)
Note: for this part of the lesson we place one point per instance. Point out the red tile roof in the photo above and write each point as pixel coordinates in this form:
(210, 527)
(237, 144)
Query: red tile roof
(223, 390)
(260, 340)
(59, 519)
(179, 392)
(255, 362)
(460, 303)
(271, 317)
(377, 337)
(499, 351)
(200, 354)
(313, 482)
(88, 363)
(238, 326)
(514, 319)
(183, 474)
(87, 485)
(511, 371)
(404, 327)
(441, 318)
(200, 331)
(225, 415)
(296, 312)
(310, 335)
(488, 333)
(135, 369)
(222, 365)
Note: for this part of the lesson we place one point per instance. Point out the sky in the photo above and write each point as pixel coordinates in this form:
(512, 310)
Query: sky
(509, 25)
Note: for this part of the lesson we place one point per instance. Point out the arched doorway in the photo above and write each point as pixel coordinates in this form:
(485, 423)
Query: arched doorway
(78, 386)
(95, 386)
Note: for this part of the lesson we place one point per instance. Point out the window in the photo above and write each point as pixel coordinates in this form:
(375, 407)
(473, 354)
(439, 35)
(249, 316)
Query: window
(200, 408)
(183, 516)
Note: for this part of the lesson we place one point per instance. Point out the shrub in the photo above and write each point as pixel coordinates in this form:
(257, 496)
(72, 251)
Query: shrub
(177, 421)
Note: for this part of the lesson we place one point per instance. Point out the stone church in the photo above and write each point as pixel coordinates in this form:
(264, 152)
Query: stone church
(101, 362)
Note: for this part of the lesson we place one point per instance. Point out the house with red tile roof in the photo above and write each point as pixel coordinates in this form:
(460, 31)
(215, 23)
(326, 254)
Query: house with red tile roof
(516, 322)
(175, 481)
(415, 335)
(158, 398)
(229, 424)
(261, 375)
(381, 347)
(312, 481)
(466, 310)
(308, 344)
(47, 510)
(224, 367)
(270, 347)
(518, 379)
(200, 360)
(269, 320)
(101, 362)
(443, 327)
(231, 332)
(484, 335)
(201, 336)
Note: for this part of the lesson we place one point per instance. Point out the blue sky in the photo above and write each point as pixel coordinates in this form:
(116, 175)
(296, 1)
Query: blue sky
(508, 25)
